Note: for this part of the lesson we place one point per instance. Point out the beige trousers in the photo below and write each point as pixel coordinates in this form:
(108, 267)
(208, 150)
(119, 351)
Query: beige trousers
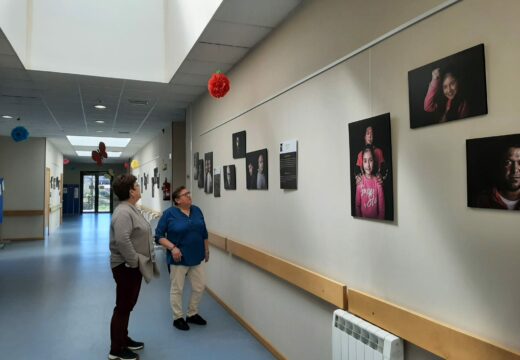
(197, 278)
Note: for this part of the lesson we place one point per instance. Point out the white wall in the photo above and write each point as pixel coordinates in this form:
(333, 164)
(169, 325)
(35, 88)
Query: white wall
(14, 24)
(24, 179)
(184, 22)
(156, 154)
(65, 37)
(439, 258)
(54, 161)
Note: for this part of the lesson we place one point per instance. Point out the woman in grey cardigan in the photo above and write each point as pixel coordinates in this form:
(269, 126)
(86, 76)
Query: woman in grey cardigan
(131, 258)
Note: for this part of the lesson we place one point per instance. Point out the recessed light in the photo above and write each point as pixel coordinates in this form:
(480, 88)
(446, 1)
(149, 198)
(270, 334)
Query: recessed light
(100, 121)
(100, 107)
(99, 131)
(7, 116)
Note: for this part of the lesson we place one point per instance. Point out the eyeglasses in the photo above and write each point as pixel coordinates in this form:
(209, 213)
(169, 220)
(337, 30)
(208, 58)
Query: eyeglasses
(185, 194)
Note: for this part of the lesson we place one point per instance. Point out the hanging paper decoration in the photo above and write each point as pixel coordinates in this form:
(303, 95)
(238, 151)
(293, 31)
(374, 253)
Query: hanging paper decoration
(66, 161)
(126, 165)
(135, 164)
(19, 133)
(218, 85)
(99, 154)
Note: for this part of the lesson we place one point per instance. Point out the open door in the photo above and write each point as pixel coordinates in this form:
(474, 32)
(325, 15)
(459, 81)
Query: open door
(47, 201)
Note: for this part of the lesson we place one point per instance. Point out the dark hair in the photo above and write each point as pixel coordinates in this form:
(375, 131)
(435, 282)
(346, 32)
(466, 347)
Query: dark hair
(122, 186)
(176, 193)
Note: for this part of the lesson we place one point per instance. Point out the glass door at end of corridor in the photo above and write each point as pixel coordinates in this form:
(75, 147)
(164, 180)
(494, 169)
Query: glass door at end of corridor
(96, 192)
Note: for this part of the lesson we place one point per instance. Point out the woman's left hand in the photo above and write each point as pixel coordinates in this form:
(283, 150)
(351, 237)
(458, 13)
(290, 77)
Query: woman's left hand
(206, 256)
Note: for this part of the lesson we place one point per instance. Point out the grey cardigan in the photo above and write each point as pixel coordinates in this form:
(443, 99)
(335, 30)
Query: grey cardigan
(131, 241)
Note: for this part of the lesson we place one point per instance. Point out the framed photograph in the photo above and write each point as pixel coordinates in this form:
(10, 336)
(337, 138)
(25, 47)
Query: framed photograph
(200, 180)
(448, 89)
(493, 171)
(371, 184)
(195, 166)
(257, 170)
(216, 183)
(208, 173)
(230, 177)
(239, 145)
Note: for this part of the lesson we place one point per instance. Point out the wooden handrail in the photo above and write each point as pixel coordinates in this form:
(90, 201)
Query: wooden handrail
(440, 339)
(217, 241)
(19, 213)
(327, 289)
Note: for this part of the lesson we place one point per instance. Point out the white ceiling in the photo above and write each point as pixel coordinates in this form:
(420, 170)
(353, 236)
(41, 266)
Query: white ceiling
(53, 105)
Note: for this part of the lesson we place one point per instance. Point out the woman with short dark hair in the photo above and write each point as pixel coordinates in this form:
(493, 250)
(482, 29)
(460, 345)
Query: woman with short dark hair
(182, 231)
(132, 257)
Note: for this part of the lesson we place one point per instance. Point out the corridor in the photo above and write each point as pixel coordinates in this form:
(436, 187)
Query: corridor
(57, 297)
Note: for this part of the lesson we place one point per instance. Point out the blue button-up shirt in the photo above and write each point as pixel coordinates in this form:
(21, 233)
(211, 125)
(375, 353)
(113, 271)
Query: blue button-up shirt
(186, 232)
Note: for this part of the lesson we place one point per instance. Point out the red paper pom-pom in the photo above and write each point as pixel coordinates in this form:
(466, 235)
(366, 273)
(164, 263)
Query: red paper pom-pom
(126, 165)
(66, 161)
(218, 85)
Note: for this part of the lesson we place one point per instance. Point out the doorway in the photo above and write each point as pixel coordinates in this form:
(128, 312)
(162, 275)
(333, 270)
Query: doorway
(96, 192)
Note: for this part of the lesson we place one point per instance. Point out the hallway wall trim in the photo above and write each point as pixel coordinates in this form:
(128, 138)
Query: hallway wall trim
(436, 337)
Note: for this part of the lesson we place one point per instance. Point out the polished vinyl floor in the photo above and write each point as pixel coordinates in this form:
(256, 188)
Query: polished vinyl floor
(57, 297)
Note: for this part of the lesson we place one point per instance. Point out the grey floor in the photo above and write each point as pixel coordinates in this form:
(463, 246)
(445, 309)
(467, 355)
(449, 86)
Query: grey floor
(57, 297)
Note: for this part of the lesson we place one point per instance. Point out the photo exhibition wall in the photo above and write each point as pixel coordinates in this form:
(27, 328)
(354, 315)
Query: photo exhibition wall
(404, 169)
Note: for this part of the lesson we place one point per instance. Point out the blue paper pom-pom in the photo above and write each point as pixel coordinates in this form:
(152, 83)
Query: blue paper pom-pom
(19, 133)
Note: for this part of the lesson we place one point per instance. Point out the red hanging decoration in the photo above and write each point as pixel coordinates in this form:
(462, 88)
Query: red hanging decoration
(99, 154)
(218, 85)
(126, 165)
(66, 161)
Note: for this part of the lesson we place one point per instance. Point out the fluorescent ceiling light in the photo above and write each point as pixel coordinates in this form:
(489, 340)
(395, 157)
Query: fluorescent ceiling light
(99, 131)
(100, 121)
(111, 154)
(7, 116)
(100, 107)
(95, 140)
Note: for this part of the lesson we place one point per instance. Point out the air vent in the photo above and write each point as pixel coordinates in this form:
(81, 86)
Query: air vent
(124, 132)
(138, 102)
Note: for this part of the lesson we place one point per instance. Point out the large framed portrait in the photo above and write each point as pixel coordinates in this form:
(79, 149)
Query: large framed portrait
(208, 173)
(493, 172)
(257, 170)
(371, 180)
(448, 89)
(239, 145)
(230, 177)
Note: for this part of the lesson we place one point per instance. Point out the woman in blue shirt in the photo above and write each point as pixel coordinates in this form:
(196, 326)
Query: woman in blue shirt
(182, 231)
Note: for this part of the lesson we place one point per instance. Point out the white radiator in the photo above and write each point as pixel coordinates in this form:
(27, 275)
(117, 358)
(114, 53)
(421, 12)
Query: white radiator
(355, 339)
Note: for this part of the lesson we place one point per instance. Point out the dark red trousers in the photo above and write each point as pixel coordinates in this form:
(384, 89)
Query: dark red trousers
(128, 284)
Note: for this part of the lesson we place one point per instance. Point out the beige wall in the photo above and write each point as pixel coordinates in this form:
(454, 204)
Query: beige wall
(24, 176)
(439, 257)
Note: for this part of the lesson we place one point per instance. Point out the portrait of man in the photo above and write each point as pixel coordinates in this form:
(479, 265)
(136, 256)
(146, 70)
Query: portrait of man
(230, 177)
(371, 183)
(257, 170)
(493, 170)
(448, 89)
(208, 173)
(239, 145)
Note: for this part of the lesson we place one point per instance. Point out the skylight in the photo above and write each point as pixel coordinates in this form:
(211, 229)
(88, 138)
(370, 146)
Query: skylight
(111, 154)
(95, 140)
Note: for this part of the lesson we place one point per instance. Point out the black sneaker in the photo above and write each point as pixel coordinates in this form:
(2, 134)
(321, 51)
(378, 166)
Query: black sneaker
(181, 324)
(134, 345)
(196, 319)
(125, 354)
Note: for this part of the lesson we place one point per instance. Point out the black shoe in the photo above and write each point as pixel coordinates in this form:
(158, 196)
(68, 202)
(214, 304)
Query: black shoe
(196, 319)
(125, 354)
(181, 324)
(134, 345)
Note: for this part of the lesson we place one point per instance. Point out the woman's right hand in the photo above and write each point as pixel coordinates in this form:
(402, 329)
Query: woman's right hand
(436, 74)
(177, 254)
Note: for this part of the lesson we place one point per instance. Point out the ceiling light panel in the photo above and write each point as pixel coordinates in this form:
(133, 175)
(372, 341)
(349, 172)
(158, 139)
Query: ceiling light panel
(95, 140)
(110, 154)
